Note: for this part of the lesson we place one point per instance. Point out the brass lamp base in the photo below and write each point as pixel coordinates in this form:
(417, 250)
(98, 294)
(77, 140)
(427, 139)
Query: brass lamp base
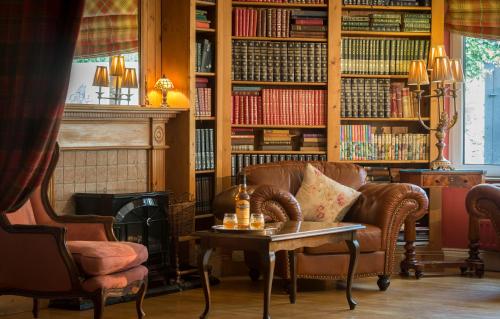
(441, 165)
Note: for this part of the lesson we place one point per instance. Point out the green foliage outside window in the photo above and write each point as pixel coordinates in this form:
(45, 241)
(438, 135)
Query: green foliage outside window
(477, 53)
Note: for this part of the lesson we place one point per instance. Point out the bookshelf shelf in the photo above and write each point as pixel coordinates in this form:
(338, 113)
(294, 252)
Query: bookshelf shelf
(280, 83)
(386, 161)
(385, 8)
(203, 216)
(208, 30)
(376, 76)
(278, 126)
(280, 152)
(201, 3)
(205, 118)
(384, 119)
(206, 171)
(279, 39)
(205, 74)
(387, 34)
(284, 5)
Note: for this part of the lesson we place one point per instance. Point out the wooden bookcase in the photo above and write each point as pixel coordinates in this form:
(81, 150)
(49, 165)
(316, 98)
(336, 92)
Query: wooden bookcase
(179, 34)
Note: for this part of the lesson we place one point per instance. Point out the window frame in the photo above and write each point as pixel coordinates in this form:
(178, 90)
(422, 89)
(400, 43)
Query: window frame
(456, 134)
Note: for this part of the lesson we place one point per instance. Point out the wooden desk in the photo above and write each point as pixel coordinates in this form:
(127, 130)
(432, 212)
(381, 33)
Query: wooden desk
(288, 236)
(435, 181)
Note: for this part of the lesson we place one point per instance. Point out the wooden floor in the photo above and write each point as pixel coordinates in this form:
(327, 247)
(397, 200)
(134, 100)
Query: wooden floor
(430, 297)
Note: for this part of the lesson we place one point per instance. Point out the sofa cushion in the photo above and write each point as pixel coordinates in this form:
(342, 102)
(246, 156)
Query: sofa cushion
(370, 240)
(322, 199)
(115, 281)
(96, 258)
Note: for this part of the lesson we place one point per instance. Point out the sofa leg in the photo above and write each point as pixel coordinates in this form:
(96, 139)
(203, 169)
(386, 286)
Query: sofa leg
(99, 300)
(383, 282)
(36, 307)
(254, 274)
(140, 299)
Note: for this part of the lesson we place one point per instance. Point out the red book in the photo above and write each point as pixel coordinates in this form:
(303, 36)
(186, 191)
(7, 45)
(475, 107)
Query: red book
(255, 20)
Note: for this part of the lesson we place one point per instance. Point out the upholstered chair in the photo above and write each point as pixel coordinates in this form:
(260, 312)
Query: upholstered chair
(44, 255)
(382, 208)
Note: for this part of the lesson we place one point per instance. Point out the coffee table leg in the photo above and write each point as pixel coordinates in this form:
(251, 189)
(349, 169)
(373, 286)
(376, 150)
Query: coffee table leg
(353, 260)
(203, 258)
(293, 276)
(269, 260)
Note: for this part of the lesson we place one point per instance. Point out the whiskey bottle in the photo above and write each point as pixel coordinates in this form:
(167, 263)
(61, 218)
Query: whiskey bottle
(242, 204)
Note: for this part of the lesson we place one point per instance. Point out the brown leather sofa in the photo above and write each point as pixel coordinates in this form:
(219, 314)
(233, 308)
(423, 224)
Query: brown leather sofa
(382, 208)
(482, 202)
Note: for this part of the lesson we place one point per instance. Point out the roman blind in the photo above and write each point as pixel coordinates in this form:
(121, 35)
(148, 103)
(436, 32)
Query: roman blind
(475, 18)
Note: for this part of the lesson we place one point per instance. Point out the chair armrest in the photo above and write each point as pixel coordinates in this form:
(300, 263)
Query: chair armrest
(483, 201)
(35, 258)
(88, 227)
(276, 204)
(388, 206)
(224, 201)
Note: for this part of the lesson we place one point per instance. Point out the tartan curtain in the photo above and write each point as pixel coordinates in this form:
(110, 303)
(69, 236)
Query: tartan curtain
(475, 18)
(109, 27)
(37, 42)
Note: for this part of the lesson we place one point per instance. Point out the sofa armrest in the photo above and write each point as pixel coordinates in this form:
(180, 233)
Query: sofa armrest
(224, 201)
(483, 201)
(88, 227)
(276, 204)
(35, 258)
(388, 206)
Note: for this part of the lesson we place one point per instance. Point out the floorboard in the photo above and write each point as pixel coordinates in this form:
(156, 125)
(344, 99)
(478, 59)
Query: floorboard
(435, 296)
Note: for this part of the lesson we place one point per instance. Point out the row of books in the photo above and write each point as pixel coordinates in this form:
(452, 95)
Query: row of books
(202, 21)
(389, 22)
(313, 142)
(204, 55)
(376, 98)
(203, 101)
(416, 22)
(279, 61)
(381, 56)
(365, 142)
(246, 139)
(276, 140)
(408, 3)
(240, 161)
(242, 139)
(287, 1)
(253, 105)
(205, 155)
(421, 236)
(204, 193)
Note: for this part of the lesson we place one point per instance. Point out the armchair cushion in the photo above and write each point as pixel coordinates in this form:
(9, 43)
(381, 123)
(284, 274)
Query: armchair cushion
(96, 258)
(369, 239)
(322, 199)
(115, 281)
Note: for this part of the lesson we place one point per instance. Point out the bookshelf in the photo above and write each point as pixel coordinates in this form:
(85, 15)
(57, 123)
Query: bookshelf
(181, 17)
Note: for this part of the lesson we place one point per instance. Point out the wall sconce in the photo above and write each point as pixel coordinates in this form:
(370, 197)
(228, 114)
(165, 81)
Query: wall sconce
(164, 84)
(122, 77)
(443, 71)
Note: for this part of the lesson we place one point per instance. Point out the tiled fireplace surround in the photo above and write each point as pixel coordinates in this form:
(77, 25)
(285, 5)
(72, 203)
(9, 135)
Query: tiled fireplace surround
(110, 149)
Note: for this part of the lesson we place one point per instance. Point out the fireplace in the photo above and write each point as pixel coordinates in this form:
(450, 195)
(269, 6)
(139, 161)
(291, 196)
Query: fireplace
(140, 218)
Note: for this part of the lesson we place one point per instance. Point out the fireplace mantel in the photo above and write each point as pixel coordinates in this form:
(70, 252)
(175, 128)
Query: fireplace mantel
(79, 112)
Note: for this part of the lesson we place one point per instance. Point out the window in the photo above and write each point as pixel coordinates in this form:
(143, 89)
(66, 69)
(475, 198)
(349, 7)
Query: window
(476, 142)
(109, 32)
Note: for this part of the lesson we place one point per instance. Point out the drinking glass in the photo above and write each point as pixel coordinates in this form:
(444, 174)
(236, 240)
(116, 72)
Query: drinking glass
(230, 221)
(257, 221)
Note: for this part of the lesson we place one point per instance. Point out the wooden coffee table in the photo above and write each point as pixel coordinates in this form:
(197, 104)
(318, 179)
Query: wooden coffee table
(287, 236)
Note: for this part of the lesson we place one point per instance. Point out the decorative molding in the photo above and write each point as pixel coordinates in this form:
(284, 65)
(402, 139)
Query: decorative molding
(79, 112)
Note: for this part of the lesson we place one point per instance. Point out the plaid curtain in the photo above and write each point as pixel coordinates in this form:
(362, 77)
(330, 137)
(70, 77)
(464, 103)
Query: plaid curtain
(109, 27)
(37, 42)
(475, 18)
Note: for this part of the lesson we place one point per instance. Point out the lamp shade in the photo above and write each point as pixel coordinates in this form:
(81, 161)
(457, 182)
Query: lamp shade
(417, 74)
(101, 77)
(164, 83)
(457, 70)
(436, 51)
(441, 71)
(129, 79)
(117, 67)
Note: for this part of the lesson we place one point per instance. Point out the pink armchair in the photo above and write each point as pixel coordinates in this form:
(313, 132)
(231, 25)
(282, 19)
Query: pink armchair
(49, 256)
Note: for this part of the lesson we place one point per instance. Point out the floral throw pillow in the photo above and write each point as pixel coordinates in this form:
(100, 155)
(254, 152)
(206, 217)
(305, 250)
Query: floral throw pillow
(322, 199)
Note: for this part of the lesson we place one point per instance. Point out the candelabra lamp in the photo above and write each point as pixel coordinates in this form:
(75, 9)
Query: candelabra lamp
(121, 77)
(444, 72)
(164, 84)
(101, 79)
(129, 82)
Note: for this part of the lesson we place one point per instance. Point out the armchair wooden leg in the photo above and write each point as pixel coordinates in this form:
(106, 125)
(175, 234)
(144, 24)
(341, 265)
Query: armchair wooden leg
(140, 299)
(99, 300)
(36, 307)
